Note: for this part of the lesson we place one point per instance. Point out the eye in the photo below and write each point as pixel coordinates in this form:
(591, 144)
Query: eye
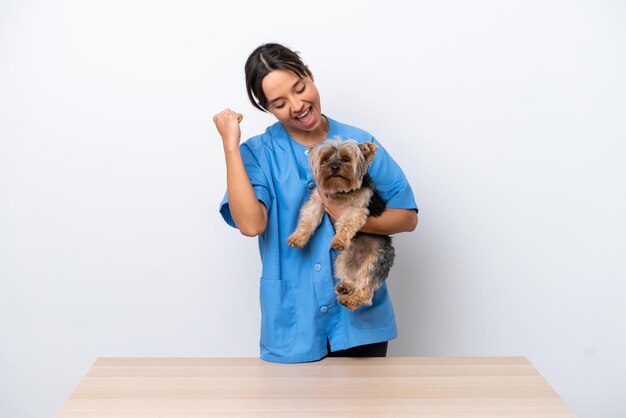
(302, 89)
(280, 106)
(345, 159)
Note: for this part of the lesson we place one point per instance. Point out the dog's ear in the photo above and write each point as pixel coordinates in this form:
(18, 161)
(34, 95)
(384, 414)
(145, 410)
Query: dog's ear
(313, 159)
(368, 149)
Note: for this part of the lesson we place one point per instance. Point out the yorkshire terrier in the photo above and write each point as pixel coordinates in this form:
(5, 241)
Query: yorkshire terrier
(340, 172)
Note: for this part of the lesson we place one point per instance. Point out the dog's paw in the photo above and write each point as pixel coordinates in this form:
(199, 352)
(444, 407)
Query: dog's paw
(340, 244)
(346, 295)
(353, 301)
(352, 297)
(349, 301)
(344, 288)
(297, 240)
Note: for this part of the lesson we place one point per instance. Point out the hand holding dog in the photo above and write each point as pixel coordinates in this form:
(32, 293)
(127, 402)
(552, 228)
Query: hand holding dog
(331, 207)
(227, 123)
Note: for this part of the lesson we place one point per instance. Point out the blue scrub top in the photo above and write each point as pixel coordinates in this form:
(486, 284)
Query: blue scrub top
(299, 309)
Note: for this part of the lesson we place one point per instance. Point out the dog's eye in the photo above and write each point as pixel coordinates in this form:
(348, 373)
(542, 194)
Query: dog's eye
(345, 159)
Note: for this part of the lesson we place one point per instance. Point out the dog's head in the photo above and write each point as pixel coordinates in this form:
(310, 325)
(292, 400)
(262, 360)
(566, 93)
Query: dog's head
(339, 166)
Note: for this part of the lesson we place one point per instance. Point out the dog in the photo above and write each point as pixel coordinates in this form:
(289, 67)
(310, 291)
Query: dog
(340, 172)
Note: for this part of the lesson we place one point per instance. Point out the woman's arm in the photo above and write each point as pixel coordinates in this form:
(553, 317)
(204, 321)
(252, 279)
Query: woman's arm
(391, 221)
(249, 214)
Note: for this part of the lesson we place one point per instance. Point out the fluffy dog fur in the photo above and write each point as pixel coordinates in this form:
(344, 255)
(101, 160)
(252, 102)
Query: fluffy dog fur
(340, 171)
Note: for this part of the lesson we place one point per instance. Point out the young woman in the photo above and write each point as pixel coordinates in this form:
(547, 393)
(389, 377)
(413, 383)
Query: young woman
(268, 180)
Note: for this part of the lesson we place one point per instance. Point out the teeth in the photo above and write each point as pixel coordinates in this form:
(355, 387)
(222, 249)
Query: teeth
(300, 116)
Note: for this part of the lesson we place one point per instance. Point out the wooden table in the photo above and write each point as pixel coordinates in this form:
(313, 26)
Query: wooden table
(477, 387)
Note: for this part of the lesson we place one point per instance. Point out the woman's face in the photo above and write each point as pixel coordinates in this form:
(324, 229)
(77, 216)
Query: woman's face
(294, 101)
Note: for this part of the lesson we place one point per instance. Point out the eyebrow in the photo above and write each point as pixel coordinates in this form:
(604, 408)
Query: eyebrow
(281, 97)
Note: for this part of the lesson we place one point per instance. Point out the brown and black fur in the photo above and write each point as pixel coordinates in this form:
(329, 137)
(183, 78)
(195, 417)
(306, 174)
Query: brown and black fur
(340, 171)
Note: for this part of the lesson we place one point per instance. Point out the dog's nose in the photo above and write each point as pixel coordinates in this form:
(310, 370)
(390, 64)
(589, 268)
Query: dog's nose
(335, 167)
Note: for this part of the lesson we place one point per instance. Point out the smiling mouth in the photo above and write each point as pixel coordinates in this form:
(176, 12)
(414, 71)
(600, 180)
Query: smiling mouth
(306, 118)
(303, 114)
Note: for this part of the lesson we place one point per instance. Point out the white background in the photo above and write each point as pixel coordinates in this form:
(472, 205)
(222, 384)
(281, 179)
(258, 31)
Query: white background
(507, 117)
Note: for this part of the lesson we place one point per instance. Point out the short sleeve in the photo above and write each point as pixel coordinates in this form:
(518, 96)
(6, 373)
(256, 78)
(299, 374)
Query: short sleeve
(257, 179)
(391, 183)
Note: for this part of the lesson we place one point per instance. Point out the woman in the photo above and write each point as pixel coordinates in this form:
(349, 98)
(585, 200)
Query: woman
(268, 180)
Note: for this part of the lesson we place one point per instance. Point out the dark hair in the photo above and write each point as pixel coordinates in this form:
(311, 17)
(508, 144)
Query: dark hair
(265, 59)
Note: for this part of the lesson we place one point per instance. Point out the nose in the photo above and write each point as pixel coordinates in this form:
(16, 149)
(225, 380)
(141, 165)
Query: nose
(334, 166)
(297, 106)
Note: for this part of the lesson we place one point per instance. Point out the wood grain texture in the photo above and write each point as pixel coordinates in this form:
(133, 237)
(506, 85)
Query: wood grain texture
(334, 387)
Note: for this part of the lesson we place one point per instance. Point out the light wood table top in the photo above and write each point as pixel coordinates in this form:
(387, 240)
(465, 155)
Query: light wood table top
(477, 387)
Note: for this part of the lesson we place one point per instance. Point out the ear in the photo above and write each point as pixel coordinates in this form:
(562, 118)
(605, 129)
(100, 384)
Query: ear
(313, 159)
(368, 149)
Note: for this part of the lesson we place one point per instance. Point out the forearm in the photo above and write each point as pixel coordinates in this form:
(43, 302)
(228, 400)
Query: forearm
(391, 221)
(249, 214)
